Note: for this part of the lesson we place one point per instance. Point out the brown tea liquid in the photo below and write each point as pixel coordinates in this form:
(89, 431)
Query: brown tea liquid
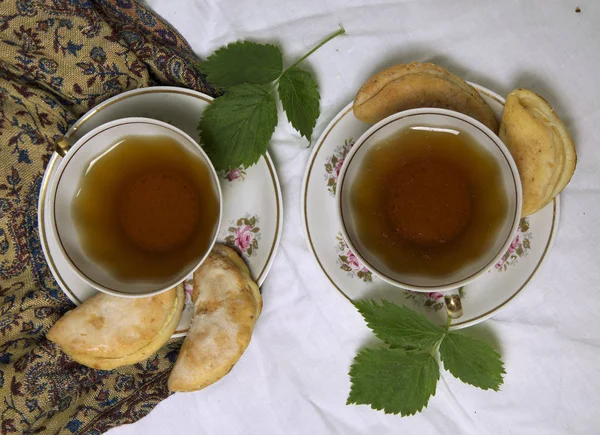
(428, 202)
(146, 208)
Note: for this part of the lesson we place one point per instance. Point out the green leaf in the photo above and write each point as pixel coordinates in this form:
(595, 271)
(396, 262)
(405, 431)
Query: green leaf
(243, 62)
(236, 128)
(299, 97)
(406, 348)
(399, 325)
(472, 361)
(397, 381)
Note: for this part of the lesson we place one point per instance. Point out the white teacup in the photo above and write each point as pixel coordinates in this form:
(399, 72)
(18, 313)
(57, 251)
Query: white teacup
(434, 119)
(64, 186)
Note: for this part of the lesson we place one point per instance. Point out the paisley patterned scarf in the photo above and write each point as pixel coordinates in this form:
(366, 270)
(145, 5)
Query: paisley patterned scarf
(58, 59)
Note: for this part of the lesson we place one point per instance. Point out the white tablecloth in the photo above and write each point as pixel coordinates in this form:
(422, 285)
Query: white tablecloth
(293, 378)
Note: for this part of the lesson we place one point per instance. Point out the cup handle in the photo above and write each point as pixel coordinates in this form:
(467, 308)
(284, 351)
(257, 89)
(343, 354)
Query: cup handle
(62, 146)
(453, 305)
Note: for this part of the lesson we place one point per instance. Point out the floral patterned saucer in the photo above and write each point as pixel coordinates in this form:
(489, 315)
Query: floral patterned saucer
(252, 203)
(509, 276)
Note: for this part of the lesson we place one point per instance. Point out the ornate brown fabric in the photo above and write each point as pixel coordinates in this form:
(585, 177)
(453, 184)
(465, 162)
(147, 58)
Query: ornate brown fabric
(58, 59)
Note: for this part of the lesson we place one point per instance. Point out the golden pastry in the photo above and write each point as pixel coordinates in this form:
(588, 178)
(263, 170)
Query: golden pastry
(541, 146)
(106, 332)
(227, 304)
(413, 85)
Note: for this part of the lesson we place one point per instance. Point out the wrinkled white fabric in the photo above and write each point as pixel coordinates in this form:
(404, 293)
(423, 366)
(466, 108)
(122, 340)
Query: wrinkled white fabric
(293, 378)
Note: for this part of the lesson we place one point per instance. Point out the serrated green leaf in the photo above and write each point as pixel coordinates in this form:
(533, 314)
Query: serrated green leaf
(393, 380)
(406, 348)
(472, 361)
(300, 98)
(399, 325)
(243, 62)
(236, 128)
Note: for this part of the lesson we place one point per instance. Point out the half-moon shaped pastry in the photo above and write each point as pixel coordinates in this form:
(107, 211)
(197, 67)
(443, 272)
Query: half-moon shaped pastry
(413, 85)
(106, 332)
(227, 304)
(541, 146)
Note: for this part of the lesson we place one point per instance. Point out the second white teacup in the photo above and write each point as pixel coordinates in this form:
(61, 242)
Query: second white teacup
(429, 118)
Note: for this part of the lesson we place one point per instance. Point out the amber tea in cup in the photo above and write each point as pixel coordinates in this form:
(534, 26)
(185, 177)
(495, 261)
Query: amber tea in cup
(136, 206)
(145, 207)
(429, 199)
(426, 202)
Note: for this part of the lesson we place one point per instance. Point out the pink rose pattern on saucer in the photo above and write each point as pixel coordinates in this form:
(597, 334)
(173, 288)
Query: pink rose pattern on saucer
(243, 235)
(333, 165)
(518, 248)
(234, 174)
(349, 263)
(433, 301)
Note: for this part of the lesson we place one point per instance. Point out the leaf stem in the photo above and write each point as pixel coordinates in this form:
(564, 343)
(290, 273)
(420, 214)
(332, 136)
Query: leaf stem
(436, 345)
(439, 342)
(448, 321)
(341, 31)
